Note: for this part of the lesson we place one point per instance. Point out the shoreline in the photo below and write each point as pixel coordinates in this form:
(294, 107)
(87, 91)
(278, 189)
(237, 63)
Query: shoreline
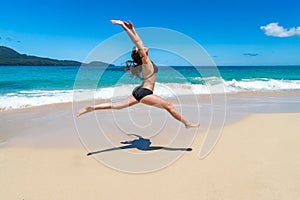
(56, 120)
(172, 99)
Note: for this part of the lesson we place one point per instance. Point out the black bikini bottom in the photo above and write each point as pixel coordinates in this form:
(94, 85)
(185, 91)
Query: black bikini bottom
(140, 92)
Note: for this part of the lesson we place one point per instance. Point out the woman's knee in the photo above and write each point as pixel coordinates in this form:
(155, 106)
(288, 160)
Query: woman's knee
(169, 107)
(115, 106)
(118, 105)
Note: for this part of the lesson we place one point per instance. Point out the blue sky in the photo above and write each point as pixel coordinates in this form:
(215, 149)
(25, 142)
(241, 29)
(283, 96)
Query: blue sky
(233, 32)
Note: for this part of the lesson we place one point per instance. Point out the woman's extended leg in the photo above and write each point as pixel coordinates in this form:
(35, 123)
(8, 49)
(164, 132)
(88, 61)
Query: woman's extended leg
(110, 105)
(159, 102)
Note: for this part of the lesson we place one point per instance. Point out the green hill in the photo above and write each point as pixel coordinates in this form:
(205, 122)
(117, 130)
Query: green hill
(10, 57)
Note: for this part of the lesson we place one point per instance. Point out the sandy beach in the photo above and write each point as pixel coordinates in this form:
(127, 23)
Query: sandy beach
(256, 158)
(156, 100)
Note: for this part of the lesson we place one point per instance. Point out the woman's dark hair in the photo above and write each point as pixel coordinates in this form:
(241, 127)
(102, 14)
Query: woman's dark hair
(134, 65)
(136, 56)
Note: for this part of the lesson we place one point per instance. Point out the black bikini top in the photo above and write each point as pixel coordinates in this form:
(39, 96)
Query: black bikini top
(155, 67)
(154, 72)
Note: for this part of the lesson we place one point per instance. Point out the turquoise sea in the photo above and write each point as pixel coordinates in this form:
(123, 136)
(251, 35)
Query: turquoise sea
(26, 86)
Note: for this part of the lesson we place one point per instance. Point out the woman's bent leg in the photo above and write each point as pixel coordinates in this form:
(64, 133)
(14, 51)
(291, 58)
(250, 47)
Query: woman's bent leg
(159, 102)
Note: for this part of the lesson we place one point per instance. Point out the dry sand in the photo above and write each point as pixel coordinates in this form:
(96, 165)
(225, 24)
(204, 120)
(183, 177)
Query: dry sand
(256, 158)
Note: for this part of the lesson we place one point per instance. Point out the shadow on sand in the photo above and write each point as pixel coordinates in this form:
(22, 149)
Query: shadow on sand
(142, 144)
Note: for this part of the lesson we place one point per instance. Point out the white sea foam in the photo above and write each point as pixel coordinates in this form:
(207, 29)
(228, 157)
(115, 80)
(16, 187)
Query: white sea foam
(30, 98)
(262, 84)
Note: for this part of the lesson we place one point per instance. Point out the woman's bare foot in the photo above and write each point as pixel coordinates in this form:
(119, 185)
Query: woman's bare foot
(85, 110)
(192, 125)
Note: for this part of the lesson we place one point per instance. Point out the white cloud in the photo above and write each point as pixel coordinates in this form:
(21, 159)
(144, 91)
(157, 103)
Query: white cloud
(273, 29)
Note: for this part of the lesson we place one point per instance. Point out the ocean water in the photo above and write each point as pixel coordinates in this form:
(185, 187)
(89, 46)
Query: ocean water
(27, 86)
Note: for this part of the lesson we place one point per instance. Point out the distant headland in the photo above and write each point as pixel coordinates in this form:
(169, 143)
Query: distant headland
(10, 57)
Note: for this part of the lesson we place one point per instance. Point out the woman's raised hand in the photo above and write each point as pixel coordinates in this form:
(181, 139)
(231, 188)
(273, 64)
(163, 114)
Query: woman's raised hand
(122, 23)
(118, 22)
(128, 24)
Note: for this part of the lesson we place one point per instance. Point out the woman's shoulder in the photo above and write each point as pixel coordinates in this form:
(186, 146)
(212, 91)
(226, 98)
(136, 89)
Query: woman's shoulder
(144, 55)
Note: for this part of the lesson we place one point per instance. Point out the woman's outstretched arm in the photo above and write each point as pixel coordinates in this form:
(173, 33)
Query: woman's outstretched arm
(131, 27)
(132, 35)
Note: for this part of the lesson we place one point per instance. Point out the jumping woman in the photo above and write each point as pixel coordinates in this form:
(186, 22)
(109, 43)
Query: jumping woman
(140, 63)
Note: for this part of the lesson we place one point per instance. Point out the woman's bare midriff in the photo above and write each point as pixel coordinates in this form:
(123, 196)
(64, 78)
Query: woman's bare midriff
(149, 86)
(148, 73)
